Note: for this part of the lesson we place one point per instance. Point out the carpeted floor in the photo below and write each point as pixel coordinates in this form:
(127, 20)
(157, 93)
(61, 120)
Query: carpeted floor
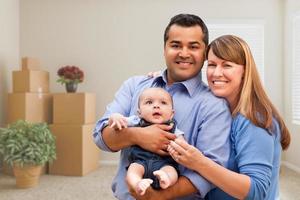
(93, 186)
(96, 186)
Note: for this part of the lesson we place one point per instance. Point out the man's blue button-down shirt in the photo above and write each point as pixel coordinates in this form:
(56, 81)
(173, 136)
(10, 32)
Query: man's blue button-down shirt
(204, 119)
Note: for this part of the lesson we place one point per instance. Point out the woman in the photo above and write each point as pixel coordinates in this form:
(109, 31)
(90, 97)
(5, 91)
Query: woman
(258, 131)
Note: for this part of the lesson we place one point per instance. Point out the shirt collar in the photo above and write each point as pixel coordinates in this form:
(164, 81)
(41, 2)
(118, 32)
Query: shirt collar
(190, 84)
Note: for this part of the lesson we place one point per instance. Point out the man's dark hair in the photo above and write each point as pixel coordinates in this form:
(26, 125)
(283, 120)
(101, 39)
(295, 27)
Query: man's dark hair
(187, 20)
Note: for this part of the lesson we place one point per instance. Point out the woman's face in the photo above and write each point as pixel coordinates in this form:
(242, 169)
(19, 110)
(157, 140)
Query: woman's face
(224, 78)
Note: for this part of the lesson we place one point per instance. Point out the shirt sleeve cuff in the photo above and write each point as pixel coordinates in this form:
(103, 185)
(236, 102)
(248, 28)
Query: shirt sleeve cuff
(202, 185)
(98, 139)
(133, 121)
(178, 132)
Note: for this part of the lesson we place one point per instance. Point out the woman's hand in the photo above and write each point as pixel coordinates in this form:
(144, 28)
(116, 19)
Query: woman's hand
(185, 154)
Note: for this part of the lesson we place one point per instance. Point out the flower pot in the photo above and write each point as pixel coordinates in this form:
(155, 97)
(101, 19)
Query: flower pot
(71, 87)
(27, 176)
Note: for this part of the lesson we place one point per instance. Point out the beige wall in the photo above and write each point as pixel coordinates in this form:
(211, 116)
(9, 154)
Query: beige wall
(113, 40)
(9, 49)
(292, 155)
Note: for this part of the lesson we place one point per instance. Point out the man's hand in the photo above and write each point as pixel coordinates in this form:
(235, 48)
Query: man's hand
(155, 138)
(154, 74)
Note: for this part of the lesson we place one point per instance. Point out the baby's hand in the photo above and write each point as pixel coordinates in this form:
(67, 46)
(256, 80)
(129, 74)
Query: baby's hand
(117, 121)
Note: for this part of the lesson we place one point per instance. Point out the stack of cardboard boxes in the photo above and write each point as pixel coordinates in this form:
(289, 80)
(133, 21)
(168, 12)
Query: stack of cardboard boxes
(74, 116)
(74, 119)
(30, 99)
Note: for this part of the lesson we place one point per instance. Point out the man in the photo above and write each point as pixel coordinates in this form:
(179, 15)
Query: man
(204, 119)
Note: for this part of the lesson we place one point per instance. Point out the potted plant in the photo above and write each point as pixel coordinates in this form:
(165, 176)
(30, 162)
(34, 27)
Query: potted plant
(70, 76)
(27, 147)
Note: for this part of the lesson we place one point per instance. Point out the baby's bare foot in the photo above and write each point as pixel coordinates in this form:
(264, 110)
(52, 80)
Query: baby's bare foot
(143, 185)
(164, 180)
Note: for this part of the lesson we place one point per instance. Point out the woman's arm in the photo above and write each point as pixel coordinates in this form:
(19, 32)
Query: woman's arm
(237, 185)
(254, 155)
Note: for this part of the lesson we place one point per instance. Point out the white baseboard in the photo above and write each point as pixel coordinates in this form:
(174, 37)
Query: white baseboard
(109, 163)
(291, 166)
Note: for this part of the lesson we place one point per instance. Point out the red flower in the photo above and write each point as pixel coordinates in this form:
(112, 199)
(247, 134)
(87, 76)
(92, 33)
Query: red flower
(70, 74)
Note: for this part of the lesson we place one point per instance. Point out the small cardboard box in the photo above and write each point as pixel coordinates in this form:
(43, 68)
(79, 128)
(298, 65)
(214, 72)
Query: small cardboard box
(30, 63)
(76, 152)
(31, 107)
(74, 108)
(31, 81)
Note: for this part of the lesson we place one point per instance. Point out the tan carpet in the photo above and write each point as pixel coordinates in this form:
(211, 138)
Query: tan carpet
(93, 186)
(96, 186)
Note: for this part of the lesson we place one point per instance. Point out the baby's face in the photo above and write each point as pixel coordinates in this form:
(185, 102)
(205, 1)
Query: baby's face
(156, 106)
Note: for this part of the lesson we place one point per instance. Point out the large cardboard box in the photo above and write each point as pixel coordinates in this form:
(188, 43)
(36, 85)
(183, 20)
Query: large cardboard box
(74, 108)
(31, 107)
(30, 63)
(76, 152)
(31, 81)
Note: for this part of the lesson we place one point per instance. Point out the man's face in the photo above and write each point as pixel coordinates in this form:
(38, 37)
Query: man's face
(184, 53)
(155, 106)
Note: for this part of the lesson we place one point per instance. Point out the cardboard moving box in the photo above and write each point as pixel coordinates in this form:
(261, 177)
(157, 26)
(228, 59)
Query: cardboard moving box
(32, 107)
(74, 108)
(76, 152)
(31, 81)
(30, 63)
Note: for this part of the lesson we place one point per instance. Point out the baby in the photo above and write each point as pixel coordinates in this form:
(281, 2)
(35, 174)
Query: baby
(155, 106)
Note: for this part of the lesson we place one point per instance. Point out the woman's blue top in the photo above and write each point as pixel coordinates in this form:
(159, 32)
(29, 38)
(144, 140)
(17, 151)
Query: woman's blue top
(256, 153)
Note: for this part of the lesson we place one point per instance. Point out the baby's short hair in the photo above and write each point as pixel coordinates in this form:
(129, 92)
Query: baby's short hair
(158, 88)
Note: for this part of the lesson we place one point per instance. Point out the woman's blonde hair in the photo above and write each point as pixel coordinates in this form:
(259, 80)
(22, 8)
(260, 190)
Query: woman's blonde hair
(253, 101)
